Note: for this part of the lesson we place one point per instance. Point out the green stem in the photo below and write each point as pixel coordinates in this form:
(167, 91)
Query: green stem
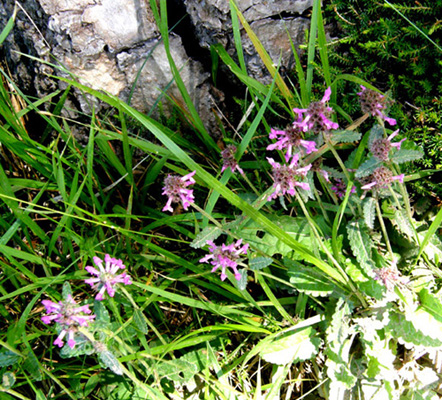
(327, 252)
(384, 229)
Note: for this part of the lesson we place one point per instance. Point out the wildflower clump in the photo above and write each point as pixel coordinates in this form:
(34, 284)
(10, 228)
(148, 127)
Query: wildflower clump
(106, 277)
(316, 118)
(225, 256)
(175, 187)
(286, 177)
(374, 104)
(229, 161)
(380, 148)
(69, 316)
(381, 178)
(290, 139)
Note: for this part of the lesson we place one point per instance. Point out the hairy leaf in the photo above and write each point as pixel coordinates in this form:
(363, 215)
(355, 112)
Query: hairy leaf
(369, 211)
(406, 155)
(140, 322)
(295, 346)
(259, 263)
(8, 358)
(207, 234)
(108, 360)
(404, 329)
(368, 167)
(346, 137)
(361, 245)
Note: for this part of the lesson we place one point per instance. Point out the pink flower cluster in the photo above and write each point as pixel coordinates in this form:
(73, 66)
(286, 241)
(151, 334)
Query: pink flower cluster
(286, 177)
(106, 276)
(317, 116)
(380, 148)
(290, 139)
(225, 256)
(229, 161)
(374, 104)
(69, 316)
(175, 187)
(382, 177)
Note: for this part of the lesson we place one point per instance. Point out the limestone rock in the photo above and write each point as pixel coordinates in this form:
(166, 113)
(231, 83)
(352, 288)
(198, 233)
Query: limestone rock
(115, 46)
(270, 20)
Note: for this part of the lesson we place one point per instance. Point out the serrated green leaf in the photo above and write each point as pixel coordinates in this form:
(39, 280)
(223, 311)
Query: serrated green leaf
(406, 155)
(8, 380)
(83, 346)
(368, 167)
(101, 313)
(296, 227)
(366, 284)
(309, 280)
(242, 283)
(8, 358)
(259, 263)
(292, 347)
(207, 234)
(108, 360)
(346, 137)
(376, 132)
(431, 303)
(32, 366)
(67, 290)
(361, 245)
(140, 322)
(408, 334)
(369, 211)
(339, 340)
(179, 370)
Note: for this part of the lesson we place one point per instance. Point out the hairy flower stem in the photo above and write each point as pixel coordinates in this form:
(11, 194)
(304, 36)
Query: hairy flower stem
(344, 169)
(321, 205)
(251, 185)
(338, 158)
(327, 252)
(384, 229)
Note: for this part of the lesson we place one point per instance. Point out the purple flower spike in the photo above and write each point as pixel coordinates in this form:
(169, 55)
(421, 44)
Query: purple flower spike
(106, 276)
(287, 176)
(317, 116)
(175, 187)
(225, 256)
(340, 187)
(374, 104)
(382, 178)
(289, 139)
(228, 155)
(69, 316)
(380, 148)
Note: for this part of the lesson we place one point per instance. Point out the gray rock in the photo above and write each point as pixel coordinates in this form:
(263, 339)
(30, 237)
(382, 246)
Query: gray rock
(115, 46)
(270, 20)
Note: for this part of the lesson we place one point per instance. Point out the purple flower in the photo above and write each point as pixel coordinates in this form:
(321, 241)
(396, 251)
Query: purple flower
(287, 176)
(317, 116)
(228, 155)
(390, 276)
(374, 103)
(382, 177)
(289, 139)
(69, 316)
(340, 187)
(107, 277)
(225, 256)
(175, 187)
(380, 148)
